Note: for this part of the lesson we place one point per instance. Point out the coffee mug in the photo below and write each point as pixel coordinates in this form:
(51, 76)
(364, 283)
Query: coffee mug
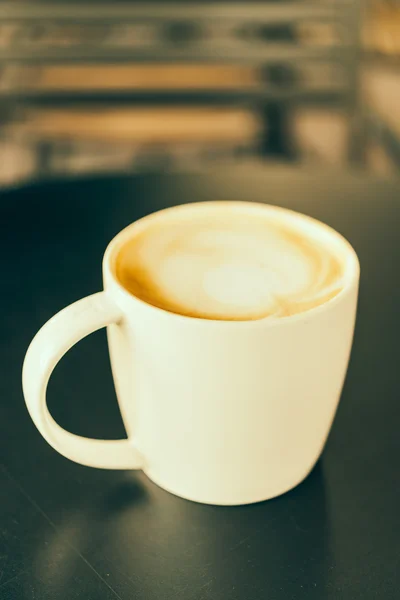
(221, 411)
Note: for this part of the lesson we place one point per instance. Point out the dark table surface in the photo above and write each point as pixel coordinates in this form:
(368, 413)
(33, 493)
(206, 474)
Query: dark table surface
(69, 532)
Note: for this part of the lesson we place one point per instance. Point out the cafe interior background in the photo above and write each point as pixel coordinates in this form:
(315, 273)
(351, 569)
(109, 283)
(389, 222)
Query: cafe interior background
(94, 87)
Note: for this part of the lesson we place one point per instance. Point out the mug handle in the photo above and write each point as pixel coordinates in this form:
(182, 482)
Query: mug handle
(52, 341)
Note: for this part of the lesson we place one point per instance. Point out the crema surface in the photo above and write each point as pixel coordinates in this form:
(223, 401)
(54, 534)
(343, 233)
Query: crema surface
(227, 265)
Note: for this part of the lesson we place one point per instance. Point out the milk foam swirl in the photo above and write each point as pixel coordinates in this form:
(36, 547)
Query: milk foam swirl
(229, 267)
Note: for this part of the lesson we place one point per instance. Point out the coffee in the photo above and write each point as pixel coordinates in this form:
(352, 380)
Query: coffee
(222, 261)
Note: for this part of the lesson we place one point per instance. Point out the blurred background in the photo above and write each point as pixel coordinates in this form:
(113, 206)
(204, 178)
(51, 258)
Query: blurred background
(100, 86)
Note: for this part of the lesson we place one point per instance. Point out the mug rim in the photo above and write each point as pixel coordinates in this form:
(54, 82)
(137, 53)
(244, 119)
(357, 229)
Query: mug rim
(352, 264)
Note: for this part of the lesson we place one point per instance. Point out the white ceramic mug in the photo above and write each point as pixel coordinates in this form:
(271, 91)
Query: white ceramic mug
(220, 412)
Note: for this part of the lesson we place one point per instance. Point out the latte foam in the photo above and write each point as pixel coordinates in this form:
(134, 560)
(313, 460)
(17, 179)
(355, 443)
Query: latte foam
(229, 265)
